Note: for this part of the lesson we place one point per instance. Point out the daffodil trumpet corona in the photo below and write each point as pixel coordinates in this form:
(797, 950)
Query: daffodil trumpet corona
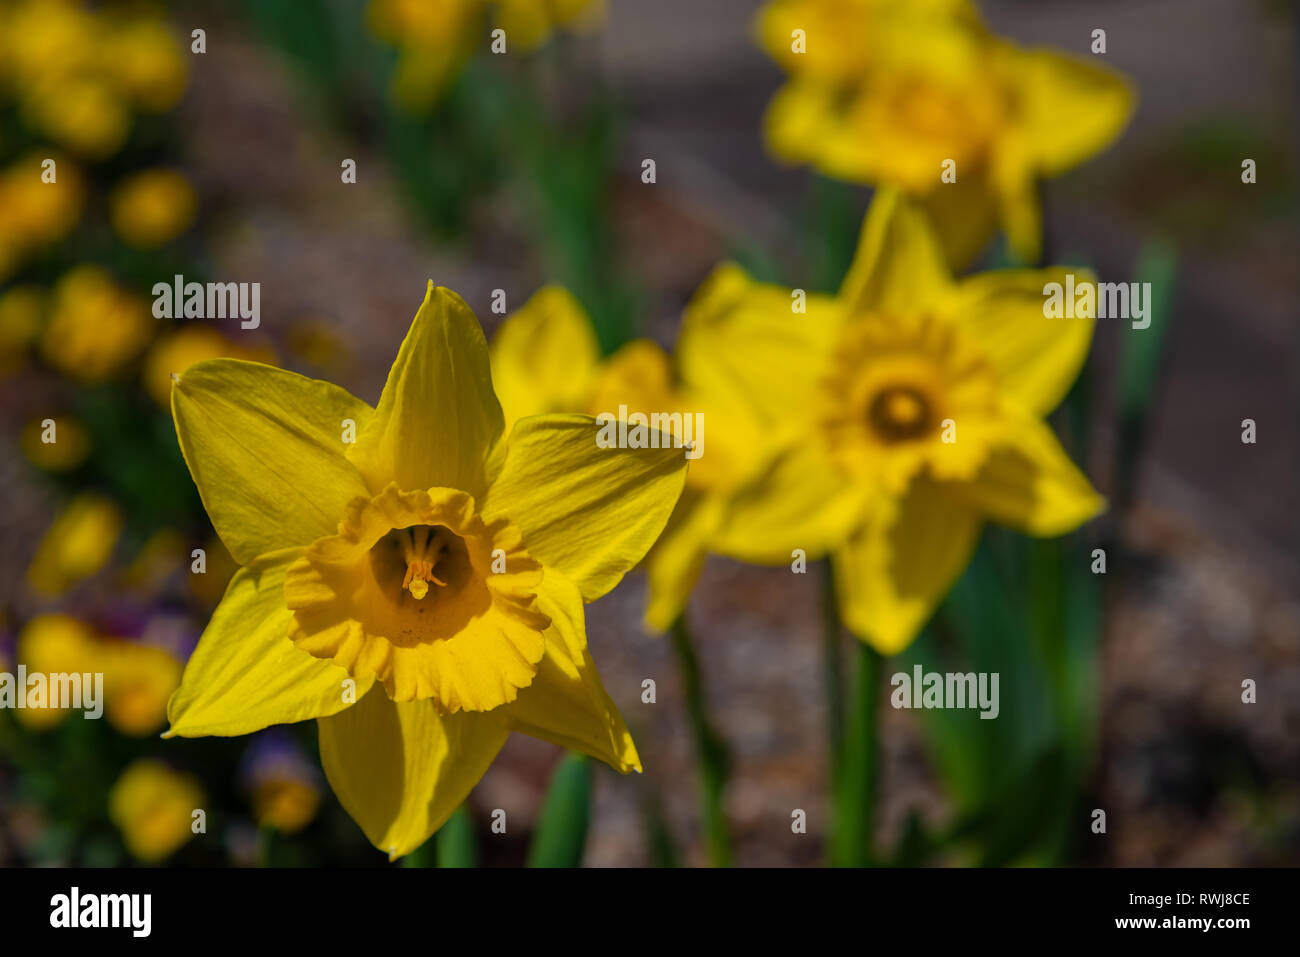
(909, 411)
(419, 589)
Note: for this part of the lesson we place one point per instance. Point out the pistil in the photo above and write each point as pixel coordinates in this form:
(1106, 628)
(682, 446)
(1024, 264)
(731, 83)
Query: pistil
(423, 548)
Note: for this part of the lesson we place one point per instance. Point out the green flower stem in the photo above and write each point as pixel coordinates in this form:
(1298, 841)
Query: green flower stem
(832, 670)
(455, 844)
(710, 751)
(854, 774)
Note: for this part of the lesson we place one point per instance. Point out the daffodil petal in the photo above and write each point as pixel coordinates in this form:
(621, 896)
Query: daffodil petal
(801, 500)
(400, 769)
(1029, 483)
(438, 418)
(674, 563)
(1015, 187)
(1070, 109)
(900, 266)
(894, 571)
(965, 216)
(246, 674)
(567, 703)
(1037, 358)
(800, 116)
(266, 449)
(588, 511)
(544, 357)
(745, 350)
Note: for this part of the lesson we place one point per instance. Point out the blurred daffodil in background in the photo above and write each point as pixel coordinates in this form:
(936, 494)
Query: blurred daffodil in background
(283, 787)
(152, 207)
(898, 94)
(53, 644)
(22, 310)
(138, 677)
(138, 681)
(153, 806)
(435, 40)
(81, 71)
(386, 589)
(76, 545)
(545, 359)
(909, 410)
(530, 23)
(95, 326)
(35, 212)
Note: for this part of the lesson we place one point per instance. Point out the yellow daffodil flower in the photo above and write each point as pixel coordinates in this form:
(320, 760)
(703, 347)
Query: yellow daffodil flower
(433, 40)
(152, 207)
(900, 94)
(153, 806)
(282, 786)
(95, 325)
(419, 590)
(51, 645)
(545, 358)
(906, 411)
(22, 309)
(530, 23)
(138, 681)
(145, 63)
(77, 72)
(34, 213)
(76, 545)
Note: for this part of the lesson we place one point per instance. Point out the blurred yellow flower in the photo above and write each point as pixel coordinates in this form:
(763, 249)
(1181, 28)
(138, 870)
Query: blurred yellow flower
(897, 94)
(386, 590)
(287, 803)
(545, 359)
(434, 40)
(69, 449)
(81, 113)
(95, 326)
(54, 644)
(165, 553)
(152, 207)
(138, 681)
(530, 23)
(76, 545)
(906, 412)
(78, 71)
(146, 62)
(175, 353)
(35, 213)
(21, 311)
(153, 806)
